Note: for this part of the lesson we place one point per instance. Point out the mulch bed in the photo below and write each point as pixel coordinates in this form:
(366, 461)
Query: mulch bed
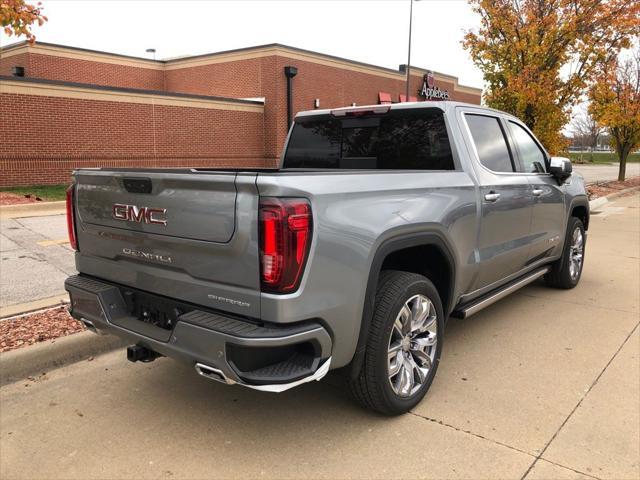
(601, 189)
(37, 327)
(8, 198)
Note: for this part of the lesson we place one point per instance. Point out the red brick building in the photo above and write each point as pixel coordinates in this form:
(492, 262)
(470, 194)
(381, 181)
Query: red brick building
(64, 107)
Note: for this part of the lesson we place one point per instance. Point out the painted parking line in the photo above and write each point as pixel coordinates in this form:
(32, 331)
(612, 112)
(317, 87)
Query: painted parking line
(48, 243)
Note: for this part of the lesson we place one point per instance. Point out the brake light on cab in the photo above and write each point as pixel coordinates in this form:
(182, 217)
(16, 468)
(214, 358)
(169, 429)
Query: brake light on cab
(286, 225)
(360, 111)
(71, 218)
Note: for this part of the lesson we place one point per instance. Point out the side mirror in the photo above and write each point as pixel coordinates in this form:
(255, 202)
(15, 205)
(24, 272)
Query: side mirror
(560, 167)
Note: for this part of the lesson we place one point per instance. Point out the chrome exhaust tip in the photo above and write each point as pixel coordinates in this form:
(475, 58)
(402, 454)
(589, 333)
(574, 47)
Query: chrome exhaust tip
(90, 326)
(212, 373)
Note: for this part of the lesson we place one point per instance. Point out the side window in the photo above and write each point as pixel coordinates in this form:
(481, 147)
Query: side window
(490, 142)
(414, 141)
(531, 155)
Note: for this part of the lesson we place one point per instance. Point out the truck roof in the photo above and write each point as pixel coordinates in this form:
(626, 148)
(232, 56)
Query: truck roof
(440, 104)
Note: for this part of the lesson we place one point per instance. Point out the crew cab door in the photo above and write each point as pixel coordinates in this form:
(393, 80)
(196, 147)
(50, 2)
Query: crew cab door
(505, 196)
(548, 219)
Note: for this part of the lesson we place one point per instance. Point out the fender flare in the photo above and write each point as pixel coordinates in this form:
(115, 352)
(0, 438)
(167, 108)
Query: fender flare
(581, 201)
(388, 246)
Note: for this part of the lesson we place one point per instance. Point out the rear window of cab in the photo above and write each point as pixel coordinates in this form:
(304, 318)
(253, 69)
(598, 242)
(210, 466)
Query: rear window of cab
(398, 140)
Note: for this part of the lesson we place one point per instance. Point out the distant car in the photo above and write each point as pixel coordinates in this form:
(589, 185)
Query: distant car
(381, 222)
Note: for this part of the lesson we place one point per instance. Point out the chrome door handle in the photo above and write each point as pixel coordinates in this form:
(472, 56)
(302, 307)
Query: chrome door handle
(492, 197)
(537, 192)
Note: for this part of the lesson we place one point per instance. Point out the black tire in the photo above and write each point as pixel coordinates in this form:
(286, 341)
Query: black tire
(560, 274)
(372, 387)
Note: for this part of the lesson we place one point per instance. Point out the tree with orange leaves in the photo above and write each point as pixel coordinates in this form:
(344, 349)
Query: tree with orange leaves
(17, 18)
(615, 104)
(538, 56)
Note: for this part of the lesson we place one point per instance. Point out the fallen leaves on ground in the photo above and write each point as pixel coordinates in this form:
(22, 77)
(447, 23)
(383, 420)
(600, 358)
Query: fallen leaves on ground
(602, 189)
(37, 327)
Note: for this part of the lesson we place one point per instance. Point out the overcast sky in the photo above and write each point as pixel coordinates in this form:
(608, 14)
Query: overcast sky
(371, 31)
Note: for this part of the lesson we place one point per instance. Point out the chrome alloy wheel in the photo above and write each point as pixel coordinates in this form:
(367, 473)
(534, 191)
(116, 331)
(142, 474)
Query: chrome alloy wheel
(576, 253)
(412, 345)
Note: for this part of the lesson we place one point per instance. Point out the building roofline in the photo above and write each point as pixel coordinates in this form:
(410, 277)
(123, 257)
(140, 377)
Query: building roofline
(173, 61)
(25, 43)
(138, 91)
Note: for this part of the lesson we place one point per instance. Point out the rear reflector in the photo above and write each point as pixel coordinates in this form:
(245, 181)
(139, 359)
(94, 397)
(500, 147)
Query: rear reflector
(286, 225)
(71, 219)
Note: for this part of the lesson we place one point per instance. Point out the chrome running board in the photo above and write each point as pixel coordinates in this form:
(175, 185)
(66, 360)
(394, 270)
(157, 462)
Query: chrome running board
(491, 298)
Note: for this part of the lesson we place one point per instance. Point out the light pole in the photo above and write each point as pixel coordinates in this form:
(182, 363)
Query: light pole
(409, 49)
(152, 50)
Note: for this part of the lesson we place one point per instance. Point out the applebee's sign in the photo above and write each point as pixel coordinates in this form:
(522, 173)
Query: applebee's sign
(429, 90)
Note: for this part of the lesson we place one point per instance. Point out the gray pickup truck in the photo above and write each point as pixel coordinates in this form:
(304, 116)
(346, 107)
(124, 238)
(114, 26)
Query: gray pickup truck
(380, 224)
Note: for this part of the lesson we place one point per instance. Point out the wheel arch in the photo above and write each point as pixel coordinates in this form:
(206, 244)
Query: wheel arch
(580, 208)
(394, 253)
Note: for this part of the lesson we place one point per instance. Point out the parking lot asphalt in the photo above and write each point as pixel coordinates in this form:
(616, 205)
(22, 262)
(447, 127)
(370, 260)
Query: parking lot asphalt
(605, 172)
(35, 259)
(543, 384)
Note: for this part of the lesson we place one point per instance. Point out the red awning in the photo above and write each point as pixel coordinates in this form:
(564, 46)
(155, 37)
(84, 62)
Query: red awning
(384, 97)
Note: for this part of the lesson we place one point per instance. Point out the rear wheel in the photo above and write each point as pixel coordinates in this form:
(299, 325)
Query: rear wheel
(566, 271)
(404, 344)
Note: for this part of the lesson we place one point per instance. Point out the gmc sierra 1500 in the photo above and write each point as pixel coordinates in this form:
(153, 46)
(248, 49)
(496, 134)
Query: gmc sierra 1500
(382, 222)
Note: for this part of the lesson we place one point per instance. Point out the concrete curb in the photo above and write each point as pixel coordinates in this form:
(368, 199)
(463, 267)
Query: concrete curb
(36, 359)
(20, 308)
(621, 193)
(32, 209)
(599, 202)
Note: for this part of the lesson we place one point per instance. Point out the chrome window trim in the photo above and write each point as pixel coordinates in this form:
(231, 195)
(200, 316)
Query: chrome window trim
(545, 154)
(484, 113)
(493, 114)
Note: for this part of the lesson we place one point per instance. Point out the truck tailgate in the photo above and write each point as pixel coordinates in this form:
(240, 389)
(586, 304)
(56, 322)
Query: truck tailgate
(181, 234)
(198, 207)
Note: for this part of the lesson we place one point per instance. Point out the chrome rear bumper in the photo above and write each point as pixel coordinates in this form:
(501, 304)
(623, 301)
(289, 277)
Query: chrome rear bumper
(231, 350)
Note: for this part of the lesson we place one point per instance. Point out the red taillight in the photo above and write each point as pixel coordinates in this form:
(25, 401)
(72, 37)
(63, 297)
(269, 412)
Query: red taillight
(285, 235)
(71, 219)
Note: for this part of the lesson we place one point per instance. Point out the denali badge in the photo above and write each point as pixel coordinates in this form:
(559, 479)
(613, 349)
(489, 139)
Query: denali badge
(132, 213)
(147, 255)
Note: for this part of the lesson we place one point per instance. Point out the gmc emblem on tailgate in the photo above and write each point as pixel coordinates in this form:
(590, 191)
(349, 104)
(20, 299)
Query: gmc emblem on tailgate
(132, 213)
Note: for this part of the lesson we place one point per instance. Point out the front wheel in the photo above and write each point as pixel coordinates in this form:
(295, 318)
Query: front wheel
(404, 344)
(566, 271)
